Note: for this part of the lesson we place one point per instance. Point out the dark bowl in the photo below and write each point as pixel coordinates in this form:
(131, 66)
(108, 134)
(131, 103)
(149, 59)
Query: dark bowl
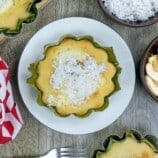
(151, 50)
(151, 20)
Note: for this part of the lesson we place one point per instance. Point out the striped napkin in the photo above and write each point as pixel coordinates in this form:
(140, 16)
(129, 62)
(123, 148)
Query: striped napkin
(10, 118)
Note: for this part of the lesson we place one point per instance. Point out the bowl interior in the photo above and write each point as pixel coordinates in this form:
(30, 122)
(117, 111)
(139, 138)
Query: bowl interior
(151, 50)
(148, 22)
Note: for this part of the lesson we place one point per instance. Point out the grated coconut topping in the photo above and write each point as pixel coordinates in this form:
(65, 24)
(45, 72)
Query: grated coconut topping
(132, 10)
(77, 76)
(5, 4)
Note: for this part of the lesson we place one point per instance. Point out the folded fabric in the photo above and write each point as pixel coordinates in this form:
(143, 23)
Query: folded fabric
(10, 118)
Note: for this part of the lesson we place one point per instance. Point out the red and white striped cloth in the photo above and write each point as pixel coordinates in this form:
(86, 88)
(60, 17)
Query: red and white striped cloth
(10, 118)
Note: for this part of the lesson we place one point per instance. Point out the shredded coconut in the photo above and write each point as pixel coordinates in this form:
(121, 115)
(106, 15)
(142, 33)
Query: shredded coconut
(132, 10)
(5, 4)
(57, 100)
(77, 76)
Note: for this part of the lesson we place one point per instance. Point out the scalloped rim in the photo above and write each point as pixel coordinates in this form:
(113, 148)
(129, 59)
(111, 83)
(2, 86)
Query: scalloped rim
(150, 140)
(111, 59)
(33, 10)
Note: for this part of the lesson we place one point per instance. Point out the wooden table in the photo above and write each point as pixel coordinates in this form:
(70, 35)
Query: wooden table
(35, 138)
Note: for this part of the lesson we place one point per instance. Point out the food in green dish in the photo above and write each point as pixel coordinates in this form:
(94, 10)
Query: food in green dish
(15, 12)
(76, 76)
(131, 145)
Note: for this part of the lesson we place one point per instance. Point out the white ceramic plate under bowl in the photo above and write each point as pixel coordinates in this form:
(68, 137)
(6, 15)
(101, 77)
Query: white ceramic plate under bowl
(105, 36)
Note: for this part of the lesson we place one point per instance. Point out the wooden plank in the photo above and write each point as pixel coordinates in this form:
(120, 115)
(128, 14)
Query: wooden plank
(2, 38)
(40, 5)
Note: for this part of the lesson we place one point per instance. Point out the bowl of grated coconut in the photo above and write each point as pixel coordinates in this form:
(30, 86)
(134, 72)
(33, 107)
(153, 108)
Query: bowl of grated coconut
(133, 13)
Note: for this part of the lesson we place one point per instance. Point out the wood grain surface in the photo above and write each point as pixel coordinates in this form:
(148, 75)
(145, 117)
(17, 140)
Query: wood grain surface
(35, 138)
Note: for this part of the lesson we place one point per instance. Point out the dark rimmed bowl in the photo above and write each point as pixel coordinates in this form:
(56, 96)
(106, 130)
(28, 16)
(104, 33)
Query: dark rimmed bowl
(151, 50)
(151, 20)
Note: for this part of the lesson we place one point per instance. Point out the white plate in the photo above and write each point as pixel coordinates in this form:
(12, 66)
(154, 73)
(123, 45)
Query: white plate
(105, 36)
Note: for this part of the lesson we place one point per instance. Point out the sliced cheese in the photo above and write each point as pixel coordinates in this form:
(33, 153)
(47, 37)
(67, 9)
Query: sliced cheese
(152, 85)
